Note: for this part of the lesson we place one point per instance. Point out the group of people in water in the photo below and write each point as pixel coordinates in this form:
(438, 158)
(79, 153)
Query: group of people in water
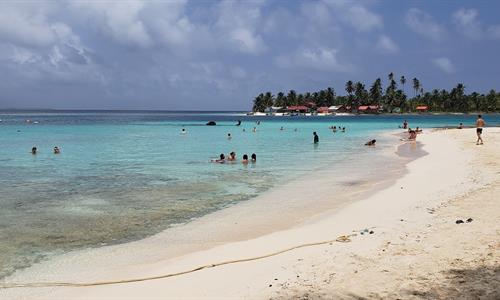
(232, 158)
(34, 150)
(334, 129)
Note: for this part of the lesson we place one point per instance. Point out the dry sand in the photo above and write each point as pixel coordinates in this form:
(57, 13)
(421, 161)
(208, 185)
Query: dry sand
(416, 250)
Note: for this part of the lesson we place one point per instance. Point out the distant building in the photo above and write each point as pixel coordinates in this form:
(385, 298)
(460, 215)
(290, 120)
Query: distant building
(298, 108)
(273, 109)
(338, 108)
(369, 109)
(422, 108)
(323, 109)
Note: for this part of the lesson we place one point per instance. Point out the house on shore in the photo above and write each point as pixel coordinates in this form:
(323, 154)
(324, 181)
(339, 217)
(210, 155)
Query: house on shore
(298, 109)
(422, 108)
(369, 109)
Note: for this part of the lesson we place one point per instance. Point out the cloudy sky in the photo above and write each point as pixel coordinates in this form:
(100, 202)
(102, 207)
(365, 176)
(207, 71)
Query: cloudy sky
(217, 55)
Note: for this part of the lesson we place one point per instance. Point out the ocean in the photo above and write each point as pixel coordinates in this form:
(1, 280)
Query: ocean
(125, 175)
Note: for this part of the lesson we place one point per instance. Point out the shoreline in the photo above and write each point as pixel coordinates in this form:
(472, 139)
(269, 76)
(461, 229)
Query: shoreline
(248, 220)
(340, 222)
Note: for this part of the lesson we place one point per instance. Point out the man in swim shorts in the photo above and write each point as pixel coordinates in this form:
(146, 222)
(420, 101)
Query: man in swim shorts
(479, 129)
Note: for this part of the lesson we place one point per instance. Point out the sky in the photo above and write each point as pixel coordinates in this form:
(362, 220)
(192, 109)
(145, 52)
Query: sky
(218, 55)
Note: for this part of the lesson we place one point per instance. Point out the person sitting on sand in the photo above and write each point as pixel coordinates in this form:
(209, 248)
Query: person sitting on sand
(418, 130)
(221, 160)
(460, 126)
(479, 129)
(316, 137)
(371, 143)
(33, 150)
(57, 150)
(254, 157)
(245, 159)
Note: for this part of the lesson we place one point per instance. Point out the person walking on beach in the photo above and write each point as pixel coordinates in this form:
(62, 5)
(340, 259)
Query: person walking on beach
(316, 137)
(479, 129)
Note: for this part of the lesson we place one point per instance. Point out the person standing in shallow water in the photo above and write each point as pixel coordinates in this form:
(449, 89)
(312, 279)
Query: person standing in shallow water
(316, 137)
(479, 129)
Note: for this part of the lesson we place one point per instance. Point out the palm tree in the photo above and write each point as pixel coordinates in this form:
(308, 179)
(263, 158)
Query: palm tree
(280, 99)
(391, 76)
(402, 80)
(258, 103)
(416, 86)
(376, 91)
(330, 96)
(349, 88)
(291, 98)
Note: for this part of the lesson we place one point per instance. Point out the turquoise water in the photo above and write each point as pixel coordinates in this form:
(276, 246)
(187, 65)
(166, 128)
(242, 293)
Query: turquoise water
(124, 175)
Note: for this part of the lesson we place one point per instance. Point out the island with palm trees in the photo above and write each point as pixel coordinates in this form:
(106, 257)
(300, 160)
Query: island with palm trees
(377, 100)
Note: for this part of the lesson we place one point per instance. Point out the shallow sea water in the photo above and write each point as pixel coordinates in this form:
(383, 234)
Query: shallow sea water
(122, 176)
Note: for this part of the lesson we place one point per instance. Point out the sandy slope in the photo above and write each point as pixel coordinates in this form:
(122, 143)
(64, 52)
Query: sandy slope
(416, 250)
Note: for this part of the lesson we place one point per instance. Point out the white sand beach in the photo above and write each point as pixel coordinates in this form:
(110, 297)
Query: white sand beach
(415, 251)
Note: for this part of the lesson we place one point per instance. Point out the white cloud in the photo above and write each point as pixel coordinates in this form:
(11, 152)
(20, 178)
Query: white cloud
(494, 32)
(423, 24)
(118, 20)
(386, 45)
(25, 25)
(362, 19)
(322, 59)
(238, 23)
(444, 64)
(356, 15)
(467, 23)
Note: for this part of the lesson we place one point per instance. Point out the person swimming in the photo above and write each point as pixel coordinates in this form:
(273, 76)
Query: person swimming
(229, 136)
(221, 160)
(57, 150)
(254, 129)
(245, 159)
(232, 156)
(239, 123)
(282, 128)
(183, 131)
(461, 126)
(343, 129)
(334, 128)
(405, 124)
(33, 150)
(254, 157)
(371, 143)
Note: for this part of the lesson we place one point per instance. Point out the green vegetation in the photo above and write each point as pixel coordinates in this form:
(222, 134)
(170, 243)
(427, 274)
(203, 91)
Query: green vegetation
(393, 99)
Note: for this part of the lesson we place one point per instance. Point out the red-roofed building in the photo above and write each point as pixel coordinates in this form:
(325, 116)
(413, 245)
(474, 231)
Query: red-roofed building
(322, 109)
(422, 108)
(368, 108)
(298, 108)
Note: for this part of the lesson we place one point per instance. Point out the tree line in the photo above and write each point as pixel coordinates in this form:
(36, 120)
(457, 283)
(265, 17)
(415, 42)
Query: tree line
(392, 99)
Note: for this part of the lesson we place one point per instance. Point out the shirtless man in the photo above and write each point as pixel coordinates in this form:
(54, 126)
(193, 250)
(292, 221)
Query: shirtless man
(479, 129)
